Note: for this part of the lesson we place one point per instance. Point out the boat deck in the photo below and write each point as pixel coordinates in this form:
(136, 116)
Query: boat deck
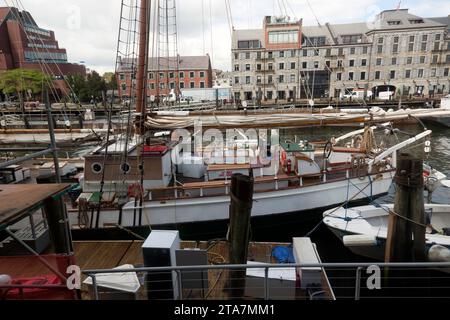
(109, 255)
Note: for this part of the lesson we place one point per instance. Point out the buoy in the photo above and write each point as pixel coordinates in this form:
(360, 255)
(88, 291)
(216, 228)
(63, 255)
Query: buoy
(439, 253)
(360, 241)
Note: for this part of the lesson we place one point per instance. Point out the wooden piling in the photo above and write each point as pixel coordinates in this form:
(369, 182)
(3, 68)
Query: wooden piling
(406, 230)
(241, 193)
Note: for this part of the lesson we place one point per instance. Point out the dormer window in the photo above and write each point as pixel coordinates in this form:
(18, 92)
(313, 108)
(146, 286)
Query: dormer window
(394, 22)
(416, 21)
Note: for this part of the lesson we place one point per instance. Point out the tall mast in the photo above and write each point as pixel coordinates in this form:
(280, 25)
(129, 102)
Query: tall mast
(142, 67)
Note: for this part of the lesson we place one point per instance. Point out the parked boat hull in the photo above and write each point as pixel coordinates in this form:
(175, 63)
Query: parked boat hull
(212, 210)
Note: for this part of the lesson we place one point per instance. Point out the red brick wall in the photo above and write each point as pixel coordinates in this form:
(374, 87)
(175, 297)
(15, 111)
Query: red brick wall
(207, 79)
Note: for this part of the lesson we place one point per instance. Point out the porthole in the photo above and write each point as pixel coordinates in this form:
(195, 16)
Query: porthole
(125, 168)
(97, 168)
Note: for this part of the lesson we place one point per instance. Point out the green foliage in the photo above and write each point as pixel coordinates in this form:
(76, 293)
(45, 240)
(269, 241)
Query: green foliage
(21, 80)
(87, 88)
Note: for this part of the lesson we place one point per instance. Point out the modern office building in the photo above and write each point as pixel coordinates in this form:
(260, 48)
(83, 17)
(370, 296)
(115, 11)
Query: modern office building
(165, 75)
(285, 60)
(23, 44)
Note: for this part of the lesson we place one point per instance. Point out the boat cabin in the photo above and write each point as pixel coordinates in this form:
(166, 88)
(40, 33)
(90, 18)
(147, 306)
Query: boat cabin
(119, 170)
(14, 174)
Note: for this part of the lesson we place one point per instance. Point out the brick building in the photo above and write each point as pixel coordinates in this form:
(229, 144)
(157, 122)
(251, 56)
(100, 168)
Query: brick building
(189, 72)
(31, 47)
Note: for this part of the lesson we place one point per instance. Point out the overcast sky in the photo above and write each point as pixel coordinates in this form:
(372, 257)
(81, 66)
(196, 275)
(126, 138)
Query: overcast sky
(88, 28)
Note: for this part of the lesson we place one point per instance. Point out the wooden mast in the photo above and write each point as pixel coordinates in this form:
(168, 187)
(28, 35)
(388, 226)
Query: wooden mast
(142, 66)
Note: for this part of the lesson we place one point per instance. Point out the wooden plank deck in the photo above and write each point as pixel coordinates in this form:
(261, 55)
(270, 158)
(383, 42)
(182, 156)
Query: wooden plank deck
(109, 255)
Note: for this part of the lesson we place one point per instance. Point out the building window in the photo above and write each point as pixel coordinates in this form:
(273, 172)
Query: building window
(171, 75)
(236, 56)
(351, 76)
(328, 64)
(124, 87)
(152, 86)
(425, 37)
(305, 65)
(259, 67)
(424, 46)
(422, 59)
(270, 79)
(292, 65)
(281, 66)
(247, 55)
(446, 72)
(202, 84)
(181, 85)
(236, 67)
(339, 76)
(351, 63)
(258, 79)
(182, 75)
(192, 74)
(281, 54)
(409, 60)
(437, 37)
(270, 95)
(433, 72)
(394, 61)
(151, 75)
(352, 50)
(411, 47)
(340, 64)
(380, 40)
(202, 74)
(285, 36)
(363, 62)
(192, 85)
(236, 80)
(447, 59)
(408, 74)
(270, 55)
(258, 55)
(270, 67)
(293, 53)
(316, 64)
(420, 73)
(377, 75)
(435, 59)
(281, 79)
(305, 53)
(392, 74)
(122, 76)
(379, 61)
(247, 80)
(251, 44)
(394, 22)
(247, 67)
(292, 78)
(365, 50)
(352, 39)
(363, 76)
(395, 48)
(380, 49)
(341, 51)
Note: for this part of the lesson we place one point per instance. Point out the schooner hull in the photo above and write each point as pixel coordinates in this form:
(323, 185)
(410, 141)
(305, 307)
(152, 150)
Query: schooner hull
(213, 209)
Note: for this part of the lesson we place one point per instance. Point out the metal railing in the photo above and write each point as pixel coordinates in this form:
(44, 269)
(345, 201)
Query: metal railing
(393, 280)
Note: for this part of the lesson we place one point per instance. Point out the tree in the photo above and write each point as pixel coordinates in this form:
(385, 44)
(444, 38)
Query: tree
(20, 81)
(93, 86)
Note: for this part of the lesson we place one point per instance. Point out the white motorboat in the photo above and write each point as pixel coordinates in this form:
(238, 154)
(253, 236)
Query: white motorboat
(364, 229)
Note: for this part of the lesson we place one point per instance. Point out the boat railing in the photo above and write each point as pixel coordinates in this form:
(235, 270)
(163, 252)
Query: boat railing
(295, 181)
(332, 281)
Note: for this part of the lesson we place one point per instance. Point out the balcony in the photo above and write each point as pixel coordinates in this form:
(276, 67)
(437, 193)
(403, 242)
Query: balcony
(263, 59)
(266, 71)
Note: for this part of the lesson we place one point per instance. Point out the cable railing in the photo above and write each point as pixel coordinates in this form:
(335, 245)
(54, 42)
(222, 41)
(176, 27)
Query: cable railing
(324, 281)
